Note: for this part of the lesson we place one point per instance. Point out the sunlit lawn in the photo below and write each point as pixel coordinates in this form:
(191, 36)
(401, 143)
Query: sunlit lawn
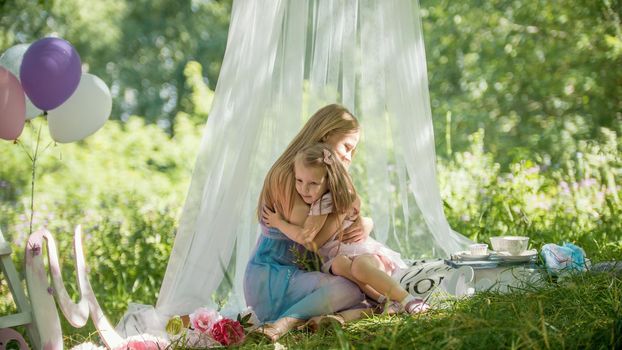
(583, 311)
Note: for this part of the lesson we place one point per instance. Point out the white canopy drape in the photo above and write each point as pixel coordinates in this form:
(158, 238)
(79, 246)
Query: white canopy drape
(284, 60)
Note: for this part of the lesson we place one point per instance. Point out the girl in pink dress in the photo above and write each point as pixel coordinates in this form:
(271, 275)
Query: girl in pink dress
(324, 183)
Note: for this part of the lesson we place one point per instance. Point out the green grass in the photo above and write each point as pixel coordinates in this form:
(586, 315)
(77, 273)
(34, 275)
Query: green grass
(582, 312)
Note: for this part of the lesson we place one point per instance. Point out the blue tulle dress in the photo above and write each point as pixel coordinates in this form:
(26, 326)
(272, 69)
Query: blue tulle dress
(275, 287)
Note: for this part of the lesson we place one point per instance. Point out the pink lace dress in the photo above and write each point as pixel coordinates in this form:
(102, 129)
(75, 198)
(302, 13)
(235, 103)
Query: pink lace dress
(333, 247)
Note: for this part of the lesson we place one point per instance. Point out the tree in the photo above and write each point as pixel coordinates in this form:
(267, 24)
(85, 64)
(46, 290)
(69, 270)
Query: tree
(534, 74)
(140, 48)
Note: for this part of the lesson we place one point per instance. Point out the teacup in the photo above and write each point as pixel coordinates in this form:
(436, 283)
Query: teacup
(479, 249)
(514, 245)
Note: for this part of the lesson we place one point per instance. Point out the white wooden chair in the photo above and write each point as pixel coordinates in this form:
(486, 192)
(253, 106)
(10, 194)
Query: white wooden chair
(38, 311)
(24, 316)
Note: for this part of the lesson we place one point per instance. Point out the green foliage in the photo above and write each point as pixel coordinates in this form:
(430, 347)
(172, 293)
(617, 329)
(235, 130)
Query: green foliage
(199, 98)
(125, 185)
(576, 200)
(139, 48)
(534, 74)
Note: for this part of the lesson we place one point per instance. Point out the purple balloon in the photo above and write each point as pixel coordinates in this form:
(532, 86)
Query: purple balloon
(50, 72)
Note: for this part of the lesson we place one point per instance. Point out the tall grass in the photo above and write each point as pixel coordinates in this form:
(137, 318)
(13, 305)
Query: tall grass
(581, 312)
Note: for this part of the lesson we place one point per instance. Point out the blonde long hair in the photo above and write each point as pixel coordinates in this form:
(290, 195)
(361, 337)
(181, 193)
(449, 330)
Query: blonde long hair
(279, 188)
(339, 183)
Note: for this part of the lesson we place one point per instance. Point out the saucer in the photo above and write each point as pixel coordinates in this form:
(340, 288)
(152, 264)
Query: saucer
(466, 255)
(524, 256)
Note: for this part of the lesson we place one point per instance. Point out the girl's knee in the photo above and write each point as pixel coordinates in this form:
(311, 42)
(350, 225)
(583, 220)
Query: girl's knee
(361, 265)
(341, 266)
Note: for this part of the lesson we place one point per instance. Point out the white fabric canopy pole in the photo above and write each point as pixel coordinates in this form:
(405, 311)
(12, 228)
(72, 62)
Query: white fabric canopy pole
(284, 60)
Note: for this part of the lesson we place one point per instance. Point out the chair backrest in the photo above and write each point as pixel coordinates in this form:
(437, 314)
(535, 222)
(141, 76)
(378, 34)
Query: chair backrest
(39, 312)
(45, 298)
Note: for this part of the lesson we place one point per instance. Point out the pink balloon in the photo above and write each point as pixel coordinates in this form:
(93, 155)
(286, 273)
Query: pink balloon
(12, 106)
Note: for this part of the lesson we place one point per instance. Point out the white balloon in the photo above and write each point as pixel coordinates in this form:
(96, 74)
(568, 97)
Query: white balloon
(11, 59)
(83, 113)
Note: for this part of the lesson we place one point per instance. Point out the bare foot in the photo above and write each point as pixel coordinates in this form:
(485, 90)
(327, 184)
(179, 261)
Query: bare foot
(274, 331)
(324, 322)
(271, 332)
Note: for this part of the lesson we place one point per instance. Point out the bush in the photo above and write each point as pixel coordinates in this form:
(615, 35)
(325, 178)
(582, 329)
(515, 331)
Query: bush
(575, 198)
(125, 185)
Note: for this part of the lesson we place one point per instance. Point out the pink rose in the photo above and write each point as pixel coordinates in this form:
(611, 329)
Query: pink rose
(202, 319)
(138, 345)
(146, 343)
(227, 332)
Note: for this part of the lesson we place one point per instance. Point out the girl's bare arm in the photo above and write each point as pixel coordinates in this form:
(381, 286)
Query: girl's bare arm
(300, 234)
(332, 225)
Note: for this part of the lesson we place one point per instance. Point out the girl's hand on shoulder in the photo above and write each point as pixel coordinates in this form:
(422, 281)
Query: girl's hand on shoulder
(271, 218)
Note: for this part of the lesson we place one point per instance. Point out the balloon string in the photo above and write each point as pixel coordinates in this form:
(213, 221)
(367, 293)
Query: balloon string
(32, 182)
(48, 146)
(18, 142)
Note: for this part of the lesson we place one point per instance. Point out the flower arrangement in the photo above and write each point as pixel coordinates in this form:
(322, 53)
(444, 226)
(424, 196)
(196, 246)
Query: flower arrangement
(208, 328)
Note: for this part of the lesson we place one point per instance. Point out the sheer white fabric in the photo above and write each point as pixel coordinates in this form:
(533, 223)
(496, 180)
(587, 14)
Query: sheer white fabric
(284, 60)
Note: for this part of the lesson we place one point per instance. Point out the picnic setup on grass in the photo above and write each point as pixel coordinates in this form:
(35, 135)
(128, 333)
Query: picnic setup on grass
(284, 60)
